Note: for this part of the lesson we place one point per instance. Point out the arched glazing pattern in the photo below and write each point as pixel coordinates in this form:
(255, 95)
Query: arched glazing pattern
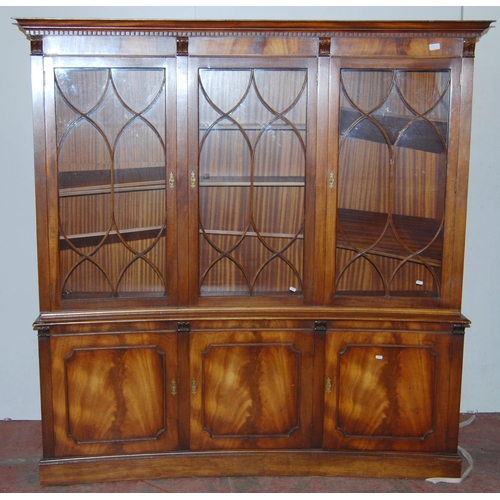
(392, 167)
(111, 128)
(252, 160)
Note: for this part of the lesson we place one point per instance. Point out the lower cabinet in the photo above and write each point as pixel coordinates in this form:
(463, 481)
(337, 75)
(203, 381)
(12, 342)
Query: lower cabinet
(251, 389)
(238, 398)
(387, 391)
(112, 393)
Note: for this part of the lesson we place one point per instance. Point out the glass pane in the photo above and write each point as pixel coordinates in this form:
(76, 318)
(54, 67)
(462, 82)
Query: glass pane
(252, 180)
(392, 171)
(111, 163)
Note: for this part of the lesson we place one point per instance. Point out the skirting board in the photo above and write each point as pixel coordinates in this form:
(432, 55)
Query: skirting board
(248, 463)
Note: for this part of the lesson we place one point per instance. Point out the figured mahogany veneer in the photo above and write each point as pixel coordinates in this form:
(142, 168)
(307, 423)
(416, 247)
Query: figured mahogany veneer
(250, 243)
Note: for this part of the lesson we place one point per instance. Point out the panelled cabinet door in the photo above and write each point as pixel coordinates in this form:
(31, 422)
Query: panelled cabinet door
(386, 391)
(112, 132)
(113, 394)
(250, 178)
(251, 389)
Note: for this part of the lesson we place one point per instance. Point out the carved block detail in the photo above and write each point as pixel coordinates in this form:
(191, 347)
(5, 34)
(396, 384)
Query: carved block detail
(36, 45)
(324, 46)
(183, 327)
(182, 45)
(469, 47)
(320, 326)
(459, 329)
(43, 332)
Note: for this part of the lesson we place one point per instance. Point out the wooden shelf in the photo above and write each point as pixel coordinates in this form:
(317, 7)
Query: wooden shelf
(366, 227)
(422, 137)
(92, 182)
(221, 232)
(227, 125)
(70, 295)
(93, 239)
(245, 181)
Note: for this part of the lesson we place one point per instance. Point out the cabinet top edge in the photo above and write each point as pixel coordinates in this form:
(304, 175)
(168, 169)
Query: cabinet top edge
(323, 313)
(157, 27)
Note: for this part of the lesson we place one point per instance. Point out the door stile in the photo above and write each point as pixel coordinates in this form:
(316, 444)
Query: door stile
(312, 240)
(189, 224)
(330, 176)
(458, 176)
(184, 234)
(40, 147)
(172, 185)
(52, 185)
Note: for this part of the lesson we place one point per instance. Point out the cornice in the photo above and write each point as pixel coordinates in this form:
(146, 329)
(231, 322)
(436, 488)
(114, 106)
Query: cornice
(164, 28)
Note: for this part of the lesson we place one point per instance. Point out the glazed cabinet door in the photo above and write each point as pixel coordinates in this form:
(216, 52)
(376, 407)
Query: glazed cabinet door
(389, 391)
(396, 156)
(251, 389)
(251, 179)
(114, 393)
(111, 126)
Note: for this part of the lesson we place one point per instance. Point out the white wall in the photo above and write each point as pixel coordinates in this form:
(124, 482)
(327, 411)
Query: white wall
(19, 394)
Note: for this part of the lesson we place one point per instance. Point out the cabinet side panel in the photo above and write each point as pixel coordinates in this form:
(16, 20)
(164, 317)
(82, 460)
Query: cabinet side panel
(462, 137)
(44, 357)
(37, 81)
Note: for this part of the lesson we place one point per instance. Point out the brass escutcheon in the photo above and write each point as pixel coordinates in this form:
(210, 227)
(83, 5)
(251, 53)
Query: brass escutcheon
(328, 385)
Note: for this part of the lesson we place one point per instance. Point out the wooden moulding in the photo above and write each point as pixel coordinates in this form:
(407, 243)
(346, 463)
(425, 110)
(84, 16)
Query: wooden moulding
(252, 463)
(127, 27)
(184, 37)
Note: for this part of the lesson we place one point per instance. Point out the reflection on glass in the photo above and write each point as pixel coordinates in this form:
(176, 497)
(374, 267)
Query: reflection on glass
(392, 169)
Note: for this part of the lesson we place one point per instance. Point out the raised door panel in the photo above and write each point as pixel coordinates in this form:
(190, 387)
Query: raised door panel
(251, 389)
(113, 394)
(387, 391)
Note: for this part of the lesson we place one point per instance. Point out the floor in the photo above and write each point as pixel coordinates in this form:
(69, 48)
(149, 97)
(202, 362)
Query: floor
(20, 450)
